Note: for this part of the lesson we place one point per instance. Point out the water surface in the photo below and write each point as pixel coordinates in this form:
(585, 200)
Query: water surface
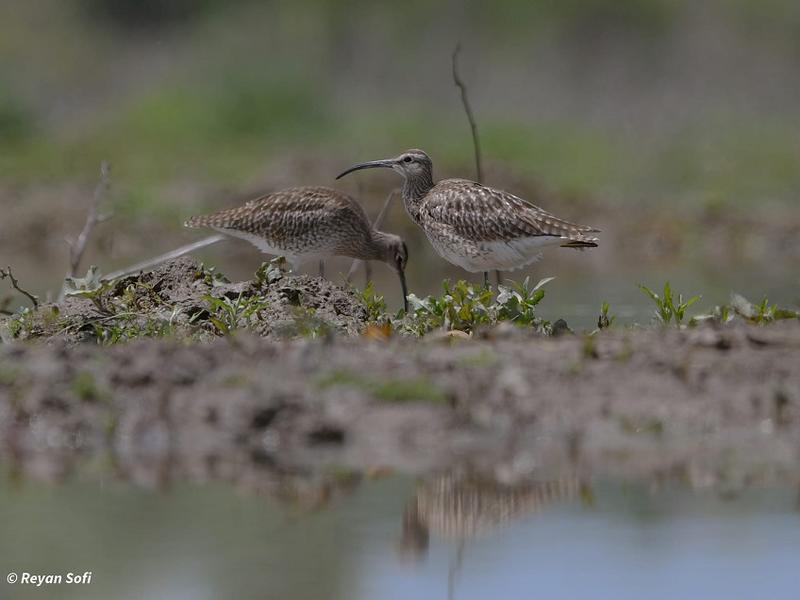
(190, 541)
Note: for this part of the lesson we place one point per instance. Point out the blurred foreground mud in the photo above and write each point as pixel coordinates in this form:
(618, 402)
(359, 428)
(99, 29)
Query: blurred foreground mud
(705, 407)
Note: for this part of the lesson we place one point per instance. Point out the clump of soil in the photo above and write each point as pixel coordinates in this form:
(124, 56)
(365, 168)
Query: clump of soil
(185, 299)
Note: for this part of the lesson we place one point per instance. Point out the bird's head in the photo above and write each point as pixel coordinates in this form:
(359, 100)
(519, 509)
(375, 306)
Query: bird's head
(410, 164)
(395, 254)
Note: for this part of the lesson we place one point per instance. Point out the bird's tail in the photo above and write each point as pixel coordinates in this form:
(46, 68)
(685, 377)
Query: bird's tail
(199, 221)
(225, 218)
(580, 244)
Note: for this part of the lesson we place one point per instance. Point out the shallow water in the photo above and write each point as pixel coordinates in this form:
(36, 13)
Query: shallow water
(611, 541)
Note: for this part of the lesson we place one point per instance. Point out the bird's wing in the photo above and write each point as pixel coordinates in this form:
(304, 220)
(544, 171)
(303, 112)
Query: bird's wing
(487, 214)
(278, 210)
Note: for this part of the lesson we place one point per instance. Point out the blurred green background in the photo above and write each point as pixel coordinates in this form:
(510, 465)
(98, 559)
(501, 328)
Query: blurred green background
(672, 125)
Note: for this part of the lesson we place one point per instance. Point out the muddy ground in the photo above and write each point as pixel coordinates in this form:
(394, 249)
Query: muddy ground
(187, 300)
(709, 407)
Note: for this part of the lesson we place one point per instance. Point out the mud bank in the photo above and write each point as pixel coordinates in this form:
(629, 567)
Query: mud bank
(706, 407)
(186, 300)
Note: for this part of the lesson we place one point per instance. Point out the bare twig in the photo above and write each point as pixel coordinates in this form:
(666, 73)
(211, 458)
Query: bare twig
(470, 117)
(94, 218)
(376, 224)
(7, 274)
(476, 144)
(167, 256)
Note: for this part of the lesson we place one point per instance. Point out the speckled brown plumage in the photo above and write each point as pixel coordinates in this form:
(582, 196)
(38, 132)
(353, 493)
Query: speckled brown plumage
(308, 223)
(477, 227)
(301, 224)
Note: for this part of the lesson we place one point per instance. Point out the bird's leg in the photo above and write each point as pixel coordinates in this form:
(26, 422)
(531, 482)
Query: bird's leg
(486, 279)
(497, 278)
(322, 268)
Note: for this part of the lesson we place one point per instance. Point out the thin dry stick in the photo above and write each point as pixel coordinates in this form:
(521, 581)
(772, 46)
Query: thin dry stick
(377, 224)
(167, 256)
(7, 274)
(476, 143)
(94, 218)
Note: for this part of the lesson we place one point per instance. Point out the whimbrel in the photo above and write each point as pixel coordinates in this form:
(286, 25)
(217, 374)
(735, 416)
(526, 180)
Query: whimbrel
(308, 223)
(476, 227)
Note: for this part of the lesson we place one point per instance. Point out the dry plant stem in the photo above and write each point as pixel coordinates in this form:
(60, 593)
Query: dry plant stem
(167, 256)
(94, 218)
(7, 274)
(377, 224)
(476, 143)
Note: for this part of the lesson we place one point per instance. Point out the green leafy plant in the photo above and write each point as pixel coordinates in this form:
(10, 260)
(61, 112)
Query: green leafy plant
(761, 313)
(518, 302)
(375, 305)
(739, 306)
(605, 320)
(227, 314)
(465, 307)
(210, 275)
(127, 326)
(22, 323)
(669, 309)
(462, 306)
(720, 314)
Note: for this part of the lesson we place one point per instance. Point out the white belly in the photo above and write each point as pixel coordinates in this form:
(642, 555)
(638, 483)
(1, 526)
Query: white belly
(500, 256)
(294, 258)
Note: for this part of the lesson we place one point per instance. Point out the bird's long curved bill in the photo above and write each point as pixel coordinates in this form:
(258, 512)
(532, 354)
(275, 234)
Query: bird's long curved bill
(402, 276)
(373, 164)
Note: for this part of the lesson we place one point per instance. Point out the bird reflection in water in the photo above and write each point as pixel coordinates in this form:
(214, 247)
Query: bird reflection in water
(458, 508)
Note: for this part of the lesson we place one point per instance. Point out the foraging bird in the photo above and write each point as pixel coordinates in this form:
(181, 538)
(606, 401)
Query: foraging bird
(476, 227)
(308, 223)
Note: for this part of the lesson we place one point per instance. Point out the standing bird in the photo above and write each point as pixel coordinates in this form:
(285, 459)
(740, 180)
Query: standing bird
(310, 223)
(476, 227)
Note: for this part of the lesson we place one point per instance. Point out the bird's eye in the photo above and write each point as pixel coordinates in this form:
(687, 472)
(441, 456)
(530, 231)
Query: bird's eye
(407, 159)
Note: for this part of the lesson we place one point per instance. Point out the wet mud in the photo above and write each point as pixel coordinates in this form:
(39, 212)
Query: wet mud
(706, 407)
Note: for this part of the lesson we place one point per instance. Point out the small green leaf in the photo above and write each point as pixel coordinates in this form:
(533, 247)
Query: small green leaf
(653, 296)
(542, 282)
